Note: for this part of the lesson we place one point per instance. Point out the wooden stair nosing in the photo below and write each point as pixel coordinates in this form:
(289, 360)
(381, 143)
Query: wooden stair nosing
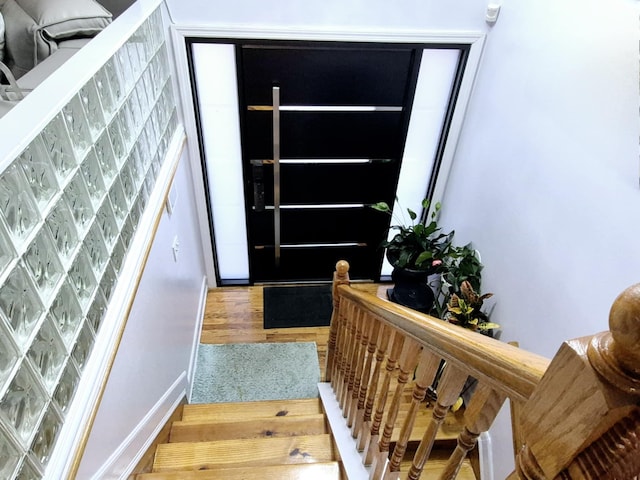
(244, 452)
(199, 431)
(324, 470)
(248, 410)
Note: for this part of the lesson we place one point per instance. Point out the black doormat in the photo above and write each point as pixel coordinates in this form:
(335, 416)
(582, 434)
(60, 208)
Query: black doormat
(308, 306)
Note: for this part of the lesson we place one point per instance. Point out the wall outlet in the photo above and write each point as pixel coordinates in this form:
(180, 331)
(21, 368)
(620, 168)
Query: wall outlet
(175, 247)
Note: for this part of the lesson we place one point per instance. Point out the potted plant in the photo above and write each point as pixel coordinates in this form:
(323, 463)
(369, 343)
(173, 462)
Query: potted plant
(416, 251)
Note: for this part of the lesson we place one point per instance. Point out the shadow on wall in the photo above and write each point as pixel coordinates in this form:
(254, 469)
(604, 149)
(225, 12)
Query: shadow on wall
(116, 7)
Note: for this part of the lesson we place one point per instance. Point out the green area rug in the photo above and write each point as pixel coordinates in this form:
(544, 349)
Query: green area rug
(247, 372)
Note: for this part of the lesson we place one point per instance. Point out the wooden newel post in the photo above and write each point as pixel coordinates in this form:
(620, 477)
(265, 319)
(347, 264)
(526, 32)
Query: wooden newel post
(340, 277)
(583, 420)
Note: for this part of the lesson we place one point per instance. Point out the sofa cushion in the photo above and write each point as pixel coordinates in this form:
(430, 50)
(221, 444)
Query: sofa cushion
(34, 27)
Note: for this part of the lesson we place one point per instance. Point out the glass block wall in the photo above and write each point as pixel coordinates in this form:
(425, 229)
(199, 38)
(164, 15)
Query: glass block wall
(69, 206)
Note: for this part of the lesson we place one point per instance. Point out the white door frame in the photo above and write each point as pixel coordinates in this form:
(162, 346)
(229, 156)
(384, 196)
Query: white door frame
(179, 33)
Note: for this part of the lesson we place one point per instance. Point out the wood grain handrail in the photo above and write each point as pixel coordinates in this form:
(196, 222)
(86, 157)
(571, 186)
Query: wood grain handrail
(506, 368)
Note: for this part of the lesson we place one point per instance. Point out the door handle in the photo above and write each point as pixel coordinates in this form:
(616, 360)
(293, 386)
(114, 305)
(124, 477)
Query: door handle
(257, 171)
(276, 173)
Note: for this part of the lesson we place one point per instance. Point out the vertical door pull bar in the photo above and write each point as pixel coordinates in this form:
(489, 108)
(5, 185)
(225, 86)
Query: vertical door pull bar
(276, 173)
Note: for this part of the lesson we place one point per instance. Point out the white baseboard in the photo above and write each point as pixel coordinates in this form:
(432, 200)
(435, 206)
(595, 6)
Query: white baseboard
(204, 289)
(124, 459)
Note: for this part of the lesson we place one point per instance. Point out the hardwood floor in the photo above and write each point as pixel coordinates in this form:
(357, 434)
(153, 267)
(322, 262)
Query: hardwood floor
(234, 315)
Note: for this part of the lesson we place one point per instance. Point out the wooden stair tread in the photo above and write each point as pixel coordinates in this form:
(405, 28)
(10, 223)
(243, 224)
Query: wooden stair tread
(449, 429)
(244, 452)
(246, 410)
(325, 470)
(198, 431)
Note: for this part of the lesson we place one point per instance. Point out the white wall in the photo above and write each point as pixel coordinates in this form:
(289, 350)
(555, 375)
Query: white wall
(150, 371)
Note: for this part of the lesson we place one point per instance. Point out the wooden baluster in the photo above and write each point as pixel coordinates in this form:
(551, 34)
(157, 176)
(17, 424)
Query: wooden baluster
(375, 326)
(365, 326)
(341, 345)
(406, 365)
(479, 415)
(350, 367)
(364, 434)
(340, 277)
(358, 349)
(588, 399)
(345, 341)
(449, 388)
(372, 441)
(424, 376)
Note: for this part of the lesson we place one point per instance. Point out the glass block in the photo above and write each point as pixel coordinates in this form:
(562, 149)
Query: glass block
(82, 279)
(143, 98)
(119, 201)
(124, 68)
(39, 172)
(28, 471)
(66, 387)
(8, 354)
(66, 314)
(108, 281)
(10, 456)
(46, 436)
(93, 178)
(106, 158)
(17, 205)
(104, 91)
(144, 151)
(58, 144)
(112, 75)
(96, 249)
(155, 166)
(48, 354)
(164, 69)
(117, 143)
(118, 254)
(83, 346)
(23, 403)
(149, 85)
(41, 260)
(77, 126)
(97, 311)
(134, 107)
(7, 252)
(146, 38)
(106, 220)
(128, 230)
(20, 304)
(126, 128)
(79, 202)
(92, 108)
(135, 59)
(136, 211)
(156, 28)
(128, 184)
(149, 183)
(136, 167)
(61, 225)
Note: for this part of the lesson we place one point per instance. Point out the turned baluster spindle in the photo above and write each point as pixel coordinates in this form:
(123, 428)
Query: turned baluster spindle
(372, 440)
(479, 415)
(341, 342)
(366, 325)
(424, 375)
(340, 277)
(592, 390)
(352, 353)
(366, 375)
(381, 350)
(449, 388)
(347, 348)
(407, 364)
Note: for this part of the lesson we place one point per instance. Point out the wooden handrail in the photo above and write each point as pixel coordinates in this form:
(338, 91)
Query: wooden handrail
(579, 414)
(510, 369)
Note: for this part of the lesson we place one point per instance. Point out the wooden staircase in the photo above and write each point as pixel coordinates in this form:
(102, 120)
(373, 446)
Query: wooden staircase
(280, 439)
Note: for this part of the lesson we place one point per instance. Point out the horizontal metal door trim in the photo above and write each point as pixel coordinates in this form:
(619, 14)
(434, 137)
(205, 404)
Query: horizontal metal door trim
(328, 206)
(325, 108)
(314, 245)
(323, 161)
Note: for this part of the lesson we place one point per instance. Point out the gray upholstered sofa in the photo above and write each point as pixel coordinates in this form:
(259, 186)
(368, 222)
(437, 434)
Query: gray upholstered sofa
(37, 36)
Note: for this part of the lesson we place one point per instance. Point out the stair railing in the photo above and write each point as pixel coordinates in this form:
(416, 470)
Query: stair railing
(579, 415)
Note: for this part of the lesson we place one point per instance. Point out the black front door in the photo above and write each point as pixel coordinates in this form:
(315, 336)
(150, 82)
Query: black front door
(323, 128)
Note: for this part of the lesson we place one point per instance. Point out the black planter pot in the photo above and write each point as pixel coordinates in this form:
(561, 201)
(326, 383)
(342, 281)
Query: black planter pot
(411, 289)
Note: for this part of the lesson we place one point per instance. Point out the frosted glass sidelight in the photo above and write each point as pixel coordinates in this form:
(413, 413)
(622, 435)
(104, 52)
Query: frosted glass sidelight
(23, 403)
(48, 354)
(42, 262)
(9, 456)
(39, 172)
(17, 205)
(61, 224)
(20, 304)
(46, 436)
(66, 314)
